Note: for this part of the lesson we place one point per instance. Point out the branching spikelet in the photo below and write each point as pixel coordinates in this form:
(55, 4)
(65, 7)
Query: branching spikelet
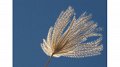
(73, 41)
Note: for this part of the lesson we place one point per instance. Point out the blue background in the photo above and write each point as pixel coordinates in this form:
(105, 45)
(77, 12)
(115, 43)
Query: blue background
(32, 19)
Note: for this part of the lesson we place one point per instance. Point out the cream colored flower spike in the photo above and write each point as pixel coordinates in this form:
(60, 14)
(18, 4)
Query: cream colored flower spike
(69, 36)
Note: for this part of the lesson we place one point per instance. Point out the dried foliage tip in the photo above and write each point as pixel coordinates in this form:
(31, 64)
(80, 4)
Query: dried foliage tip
(69, 36)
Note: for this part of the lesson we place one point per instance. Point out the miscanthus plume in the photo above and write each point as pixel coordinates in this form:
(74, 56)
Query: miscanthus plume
(70, 37)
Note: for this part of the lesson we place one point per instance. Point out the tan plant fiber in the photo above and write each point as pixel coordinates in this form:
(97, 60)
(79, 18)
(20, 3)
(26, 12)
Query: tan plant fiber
(69, 37)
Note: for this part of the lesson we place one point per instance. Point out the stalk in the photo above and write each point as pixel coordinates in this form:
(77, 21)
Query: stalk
(48, 61)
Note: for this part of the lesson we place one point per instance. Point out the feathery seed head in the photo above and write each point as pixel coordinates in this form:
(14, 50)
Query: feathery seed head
(73, 41)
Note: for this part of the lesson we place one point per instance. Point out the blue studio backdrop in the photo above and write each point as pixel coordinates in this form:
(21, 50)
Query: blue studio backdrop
(33, 18)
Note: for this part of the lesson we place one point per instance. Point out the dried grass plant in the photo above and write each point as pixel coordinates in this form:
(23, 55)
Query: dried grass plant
(69, 37)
